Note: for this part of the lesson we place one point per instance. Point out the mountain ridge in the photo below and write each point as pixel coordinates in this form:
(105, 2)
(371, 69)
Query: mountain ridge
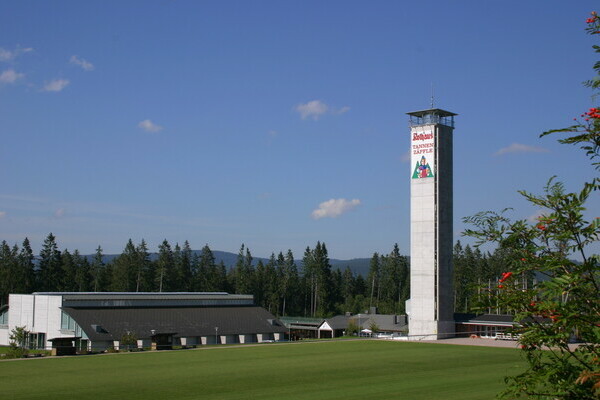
(359, 266)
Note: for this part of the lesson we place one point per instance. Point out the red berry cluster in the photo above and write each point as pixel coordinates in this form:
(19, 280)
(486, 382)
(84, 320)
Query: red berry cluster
(593, 113)
(544, 222)
(594, 22)
(505, 276)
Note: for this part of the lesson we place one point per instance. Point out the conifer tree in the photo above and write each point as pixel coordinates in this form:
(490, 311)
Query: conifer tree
(124, 269)
(206, 279)
(269, 285)
(143, 273)
(49, 266)
(164, 267)
(97, 271)
(26, 280)
(243, 273)
(290, 285)
(7, 262)
(183, 265)
(82, 272)
(373, 279)
(68, 271)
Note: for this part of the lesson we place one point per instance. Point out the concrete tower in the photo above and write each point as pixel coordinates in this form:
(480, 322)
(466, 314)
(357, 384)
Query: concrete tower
(430, 307)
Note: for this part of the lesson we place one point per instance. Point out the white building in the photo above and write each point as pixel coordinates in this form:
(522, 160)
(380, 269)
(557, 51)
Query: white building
(101, 320)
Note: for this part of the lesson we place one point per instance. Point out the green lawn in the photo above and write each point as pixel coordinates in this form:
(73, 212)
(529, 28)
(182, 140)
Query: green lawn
(317, 370)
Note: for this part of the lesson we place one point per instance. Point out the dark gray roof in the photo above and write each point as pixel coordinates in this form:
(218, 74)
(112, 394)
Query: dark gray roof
(113, 323)
(338, 322)
(493, 318)
(302, 322)
(385, 322)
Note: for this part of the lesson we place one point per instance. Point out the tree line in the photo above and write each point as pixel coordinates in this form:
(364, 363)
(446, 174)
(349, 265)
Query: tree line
(278, 284)
(281, 286)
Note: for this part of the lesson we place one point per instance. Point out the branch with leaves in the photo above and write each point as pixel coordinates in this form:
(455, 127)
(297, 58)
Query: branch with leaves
(561, 302)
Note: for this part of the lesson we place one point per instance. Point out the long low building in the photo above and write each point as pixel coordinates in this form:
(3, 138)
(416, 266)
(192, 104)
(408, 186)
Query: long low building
(102, 320)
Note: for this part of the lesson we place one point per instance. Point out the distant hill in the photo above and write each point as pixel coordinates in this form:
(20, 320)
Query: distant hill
(357, 265)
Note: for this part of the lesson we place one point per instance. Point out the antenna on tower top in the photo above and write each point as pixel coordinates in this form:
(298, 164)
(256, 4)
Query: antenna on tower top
(432, 96)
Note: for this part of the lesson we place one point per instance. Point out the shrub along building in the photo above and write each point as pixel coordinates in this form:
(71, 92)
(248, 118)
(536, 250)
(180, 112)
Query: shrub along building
(102, 320)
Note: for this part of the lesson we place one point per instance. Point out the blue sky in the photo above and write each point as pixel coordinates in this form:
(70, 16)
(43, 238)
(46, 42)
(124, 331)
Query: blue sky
(275, 123)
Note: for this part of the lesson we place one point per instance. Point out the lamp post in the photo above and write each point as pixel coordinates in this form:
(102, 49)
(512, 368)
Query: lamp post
(216, 335)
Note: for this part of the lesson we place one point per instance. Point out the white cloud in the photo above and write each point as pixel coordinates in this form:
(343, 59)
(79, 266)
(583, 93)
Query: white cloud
(2, 214)
(8, 55)
(5, 55)
(520, 148)
(313, 109)
(341, 111)
(56, 85)
(149, 126)
(10, 76)
(273, 133)
(59, 213)
(84, 64)
(334, 208)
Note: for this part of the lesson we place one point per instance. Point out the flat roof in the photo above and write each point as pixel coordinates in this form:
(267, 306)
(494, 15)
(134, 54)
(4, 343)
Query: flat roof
(149, 299)
(145, 295)
(436, 111)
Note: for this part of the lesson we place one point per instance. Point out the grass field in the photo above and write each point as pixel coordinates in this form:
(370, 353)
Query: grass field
(318, 370)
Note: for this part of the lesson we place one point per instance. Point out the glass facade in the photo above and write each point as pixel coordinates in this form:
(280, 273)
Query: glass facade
(68, 323)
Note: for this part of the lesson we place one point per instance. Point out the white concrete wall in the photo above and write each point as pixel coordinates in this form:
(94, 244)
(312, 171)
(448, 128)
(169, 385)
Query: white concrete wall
(20, 311)
(38, 314)
(431, 237)
(4, 336)
(422, 256)
(48, 317)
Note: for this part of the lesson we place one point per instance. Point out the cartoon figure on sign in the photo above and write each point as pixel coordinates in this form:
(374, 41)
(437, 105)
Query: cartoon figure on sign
(422, 169)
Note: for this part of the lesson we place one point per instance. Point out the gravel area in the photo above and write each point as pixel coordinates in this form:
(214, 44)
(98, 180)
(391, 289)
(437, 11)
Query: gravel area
(476, 342)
